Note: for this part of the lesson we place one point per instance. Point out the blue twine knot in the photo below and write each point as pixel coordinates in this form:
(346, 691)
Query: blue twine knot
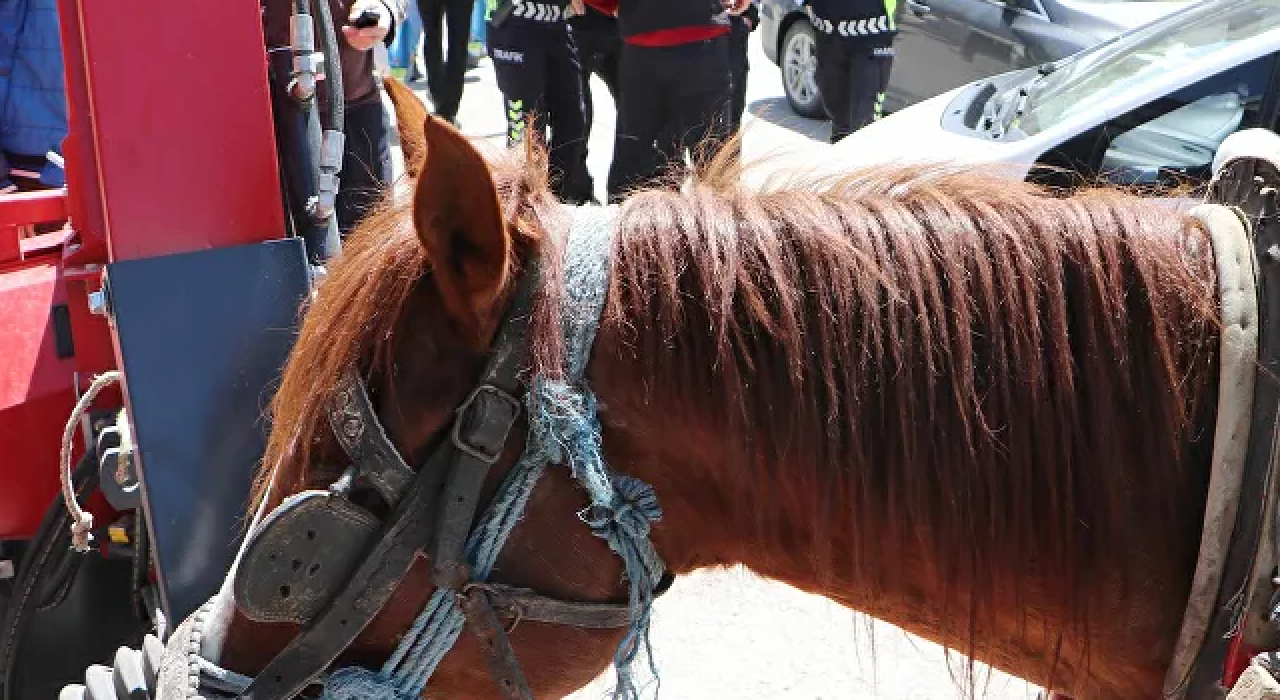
(635, 506)
(563, 421)
(354, 683)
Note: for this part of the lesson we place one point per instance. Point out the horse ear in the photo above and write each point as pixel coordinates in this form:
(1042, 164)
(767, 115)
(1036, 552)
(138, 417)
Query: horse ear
(459, 220)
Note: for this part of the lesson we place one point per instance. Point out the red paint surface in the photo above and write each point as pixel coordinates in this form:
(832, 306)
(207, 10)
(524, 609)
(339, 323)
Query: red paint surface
(36, 392)
(18, 211)
(1239, 655)
(33, 207)
(172, 147)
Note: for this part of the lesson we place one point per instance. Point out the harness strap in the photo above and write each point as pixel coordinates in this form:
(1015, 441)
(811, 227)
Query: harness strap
(523, 604)
(498, 654)
(496, 407)
(365, 442)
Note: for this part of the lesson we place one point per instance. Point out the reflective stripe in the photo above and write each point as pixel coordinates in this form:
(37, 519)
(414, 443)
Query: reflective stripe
(891, 11)
(869, 26)
(537, 11)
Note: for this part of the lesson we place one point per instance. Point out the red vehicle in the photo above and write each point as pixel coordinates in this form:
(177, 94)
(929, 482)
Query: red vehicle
(178, 267)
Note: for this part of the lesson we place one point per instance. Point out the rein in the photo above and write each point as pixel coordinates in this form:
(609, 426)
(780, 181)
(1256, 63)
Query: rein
(323, 561)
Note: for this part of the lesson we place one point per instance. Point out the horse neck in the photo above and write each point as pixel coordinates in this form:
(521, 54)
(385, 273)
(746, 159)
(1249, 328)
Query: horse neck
(952, 479)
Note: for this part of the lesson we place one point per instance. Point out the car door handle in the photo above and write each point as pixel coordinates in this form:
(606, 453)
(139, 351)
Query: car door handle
(919, 9)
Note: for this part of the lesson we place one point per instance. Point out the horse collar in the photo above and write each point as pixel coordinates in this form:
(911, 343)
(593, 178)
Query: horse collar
(322, 561)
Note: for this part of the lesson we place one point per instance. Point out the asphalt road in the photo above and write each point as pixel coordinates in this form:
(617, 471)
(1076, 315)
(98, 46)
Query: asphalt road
(731, 634)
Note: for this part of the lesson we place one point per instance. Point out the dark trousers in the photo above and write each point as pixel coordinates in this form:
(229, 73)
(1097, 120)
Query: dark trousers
(673, 100)
(366, 164)
(445, 74)
(739, 40)
(853, 74)
(536, 64)
(599, 50)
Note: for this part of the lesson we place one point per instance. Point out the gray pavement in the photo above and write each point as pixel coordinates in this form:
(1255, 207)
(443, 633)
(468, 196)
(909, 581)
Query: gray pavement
(731, 634)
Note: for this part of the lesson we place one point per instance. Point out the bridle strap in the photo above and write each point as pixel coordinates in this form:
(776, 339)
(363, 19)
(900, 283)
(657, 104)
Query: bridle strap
(480, 430)
(525, 605)
(366, 443)
(495, 645)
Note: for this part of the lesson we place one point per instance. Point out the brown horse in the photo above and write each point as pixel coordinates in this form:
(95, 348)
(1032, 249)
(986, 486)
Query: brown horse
(957, 403)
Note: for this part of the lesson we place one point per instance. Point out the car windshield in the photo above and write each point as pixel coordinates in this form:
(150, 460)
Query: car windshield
(1095, 75)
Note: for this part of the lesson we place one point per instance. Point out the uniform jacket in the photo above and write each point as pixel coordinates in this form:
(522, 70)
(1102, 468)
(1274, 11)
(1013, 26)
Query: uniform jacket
(357, 66)
(33, 120)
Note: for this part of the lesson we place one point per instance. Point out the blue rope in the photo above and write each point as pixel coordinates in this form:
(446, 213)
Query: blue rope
(564, 427)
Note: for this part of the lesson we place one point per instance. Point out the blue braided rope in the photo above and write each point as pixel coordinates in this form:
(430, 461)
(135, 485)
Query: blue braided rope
(564, 427)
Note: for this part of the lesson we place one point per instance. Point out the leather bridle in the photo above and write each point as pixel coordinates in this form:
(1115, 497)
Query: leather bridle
(356, 561)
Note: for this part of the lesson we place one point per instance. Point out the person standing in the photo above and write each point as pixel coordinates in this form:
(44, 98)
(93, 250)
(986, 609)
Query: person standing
(404, 51)
(33, 121)
(535, 60)
(855, 53)
(446, 71)
(476, 49)
(366, 160)
(599, 48)
(739, 43)
(674, 86)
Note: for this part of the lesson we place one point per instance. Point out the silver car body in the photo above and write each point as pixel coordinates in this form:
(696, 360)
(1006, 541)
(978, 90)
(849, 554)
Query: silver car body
(946, 43)
(1127, 75)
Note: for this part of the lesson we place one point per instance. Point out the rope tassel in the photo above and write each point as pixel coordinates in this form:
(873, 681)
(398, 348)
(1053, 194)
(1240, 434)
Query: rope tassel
(633, 509)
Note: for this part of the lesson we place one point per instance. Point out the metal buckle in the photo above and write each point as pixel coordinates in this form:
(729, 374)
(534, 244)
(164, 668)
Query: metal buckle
(477, 416)
(502, 606)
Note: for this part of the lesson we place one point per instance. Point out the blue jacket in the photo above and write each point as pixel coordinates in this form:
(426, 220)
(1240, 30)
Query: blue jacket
(33, 103)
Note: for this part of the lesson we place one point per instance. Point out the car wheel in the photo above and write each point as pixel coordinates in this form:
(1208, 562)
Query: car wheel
(799, 66)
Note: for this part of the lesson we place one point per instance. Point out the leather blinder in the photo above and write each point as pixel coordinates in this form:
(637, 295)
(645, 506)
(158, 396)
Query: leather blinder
(302, 556)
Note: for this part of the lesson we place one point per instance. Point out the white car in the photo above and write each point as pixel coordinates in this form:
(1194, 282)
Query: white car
(1150, 106)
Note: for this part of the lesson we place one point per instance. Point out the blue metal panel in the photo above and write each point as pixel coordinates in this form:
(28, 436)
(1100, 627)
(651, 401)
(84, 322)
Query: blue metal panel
(201, 338)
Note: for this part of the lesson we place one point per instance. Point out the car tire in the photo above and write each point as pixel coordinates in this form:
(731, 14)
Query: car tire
(798, 61)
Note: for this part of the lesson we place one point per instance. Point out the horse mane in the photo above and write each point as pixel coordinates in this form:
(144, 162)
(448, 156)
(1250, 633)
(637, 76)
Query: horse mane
(958, 355)
(961, 360)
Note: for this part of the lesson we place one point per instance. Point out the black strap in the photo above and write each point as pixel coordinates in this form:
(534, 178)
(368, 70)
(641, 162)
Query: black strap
(355, 424)
(523, 604)
(483, 603)
(479, 434)
(411, 526)
(498, 654)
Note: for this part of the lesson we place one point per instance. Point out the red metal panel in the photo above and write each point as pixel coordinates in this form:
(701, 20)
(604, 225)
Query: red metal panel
(36, 392)
(171, 147)
(17, 211)
(45, 206)
(1239, 655)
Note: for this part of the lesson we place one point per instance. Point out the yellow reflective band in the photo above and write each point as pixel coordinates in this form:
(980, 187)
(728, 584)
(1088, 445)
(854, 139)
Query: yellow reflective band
(118, 534)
